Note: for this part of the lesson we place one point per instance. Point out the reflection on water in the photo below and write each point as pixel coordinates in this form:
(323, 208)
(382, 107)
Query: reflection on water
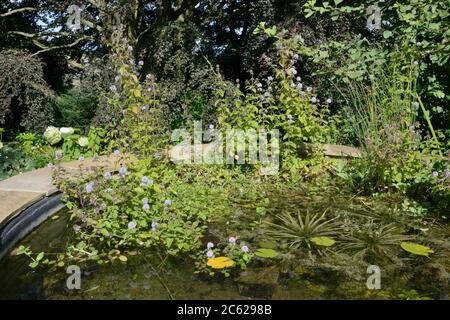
(146, 277)
(139, 278)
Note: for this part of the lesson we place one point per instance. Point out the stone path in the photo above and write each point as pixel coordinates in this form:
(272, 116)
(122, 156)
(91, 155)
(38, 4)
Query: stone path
(21, 191)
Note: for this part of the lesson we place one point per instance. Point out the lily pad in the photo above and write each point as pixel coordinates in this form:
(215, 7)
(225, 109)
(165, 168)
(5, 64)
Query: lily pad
(415, 248)
(220, 262)
(266, 253)
(323, 241)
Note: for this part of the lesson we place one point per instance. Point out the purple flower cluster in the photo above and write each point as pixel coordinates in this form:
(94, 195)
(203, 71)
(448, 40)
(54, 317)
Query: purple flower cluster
(132, 225)
(145, 181)
(122, 170)
(89, 187)
(145, 205)
(58, 155)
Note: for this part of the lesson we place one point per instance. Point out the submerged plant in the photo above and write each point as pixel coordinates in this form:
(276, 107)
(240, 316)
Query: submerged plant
(375, 241)
(300, 230)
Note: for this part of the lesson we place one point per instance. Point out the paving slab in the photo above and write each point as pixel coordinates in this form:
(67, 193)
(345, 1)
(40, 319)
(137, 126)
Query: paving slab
(39, 180)
(333, 150)
(111, 162)
(13, 202)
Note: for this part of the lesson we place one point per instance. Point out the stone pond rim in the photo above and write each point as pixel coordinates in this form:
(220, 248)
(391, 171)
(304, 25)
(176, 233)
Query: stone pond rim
(29, 199)
(26, 221)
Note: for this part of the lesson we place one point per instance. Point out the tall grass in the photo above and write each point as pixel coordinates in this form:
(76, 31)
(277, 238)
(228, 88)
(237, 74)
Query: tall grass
(382, 113)
(385, 103)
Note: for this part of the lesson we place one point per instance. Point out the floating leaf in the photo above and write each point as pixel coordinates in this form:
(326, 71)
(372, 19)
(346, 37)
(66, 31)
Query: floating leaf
(266, 253)
(415, 248)
(220, 262)
(323, 241)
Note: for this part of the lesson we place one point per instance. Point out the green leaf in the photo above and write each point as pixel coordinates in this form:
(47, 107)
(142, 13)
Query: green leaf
(40, 256)
(323, 241)
(336, 2)
(123, 258)
(416, 249)
(387, 34)
(266, 253)
(308, 13)
(260, 210)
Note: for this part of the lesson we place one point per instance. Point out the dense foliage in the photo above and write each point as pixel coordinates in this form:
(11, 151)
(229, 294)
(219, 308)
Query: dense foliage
(309, 73)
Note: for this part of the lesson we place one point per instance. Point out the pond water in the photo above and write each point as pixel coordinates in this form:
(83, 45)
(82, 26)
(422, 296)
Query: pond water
(137, 279)
(145, 277)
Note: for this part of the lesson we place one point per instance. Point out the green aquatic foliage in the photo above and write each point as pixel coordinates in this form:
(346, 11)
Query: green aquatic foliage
(411, 295)
(323, 241)
(416, 249)
(266, 253)
(267, 245)
(299, 230)
(374, 241)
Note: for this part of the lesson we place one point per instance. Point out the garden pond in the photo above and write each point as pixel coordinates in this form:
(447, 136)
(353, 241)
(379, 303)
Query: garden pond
(152, 276)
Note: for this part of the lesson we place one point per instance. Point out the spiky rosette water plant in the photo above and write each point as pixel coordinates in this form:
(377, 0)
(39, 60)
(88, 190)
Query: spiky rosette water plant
(299, 230)
(374, 241)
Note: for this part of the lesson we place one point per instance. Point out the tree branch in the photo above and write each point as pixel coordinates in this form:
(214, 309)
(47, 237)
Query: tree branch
(46, 48)
(92, 25)
(40, 34)
(14, 11)
(75, 64)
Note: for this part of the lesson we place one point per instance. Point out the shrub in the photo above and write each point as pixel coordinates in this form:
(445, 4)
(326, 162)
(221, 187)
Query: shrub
(26, 101)
(281, 101)
(13, 160)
